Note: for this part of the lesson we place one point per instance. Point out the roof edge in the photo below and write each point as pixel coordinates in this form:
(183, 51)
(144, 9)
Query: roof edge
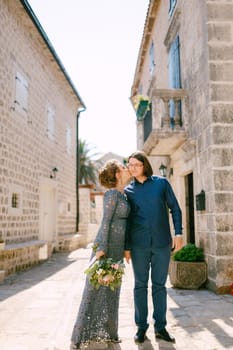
(36, 22)
(151, 14)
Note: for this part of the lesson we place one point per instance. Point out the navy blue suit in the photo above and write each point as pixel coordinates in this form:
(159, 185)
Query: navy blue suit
(148, 237)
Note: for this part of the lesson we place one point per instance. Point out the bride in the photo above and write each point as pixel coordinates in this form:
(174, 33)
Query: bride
(97, 318)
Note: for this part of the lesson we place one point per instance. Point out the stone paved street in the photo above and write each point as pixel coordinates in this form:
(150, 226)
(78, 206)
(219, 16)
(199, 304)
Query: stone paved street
(38, 309)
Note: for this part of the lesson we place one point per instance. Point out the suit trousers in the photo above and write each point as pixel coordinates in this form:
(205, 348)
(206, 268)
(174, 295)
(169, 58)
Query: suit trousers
(155, 261)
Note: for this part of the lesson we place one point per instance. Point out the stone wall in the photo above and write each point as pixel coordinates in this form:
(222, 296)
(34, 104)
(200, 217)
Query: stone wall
(220, 198)
(38, 120)
(205, 30)
(90, 212)
(21, 256)
(27, 153)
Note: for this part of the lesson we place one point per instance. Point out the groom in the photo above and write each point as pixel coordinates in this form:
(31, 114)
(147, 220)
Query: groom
(149, 242)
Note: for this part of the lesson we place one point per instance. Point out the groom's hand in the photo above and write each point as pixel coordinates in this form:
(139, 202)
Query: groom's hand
(177, 243)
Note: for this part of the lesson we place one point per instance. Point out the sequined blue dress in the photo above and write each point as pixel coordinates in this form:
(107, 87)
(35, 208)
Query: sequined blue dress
(97, 318)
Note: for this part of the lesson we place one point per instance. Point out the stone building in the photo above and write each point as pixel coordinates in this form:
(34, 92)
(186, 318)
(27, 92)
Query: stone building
(39, 111)
(185, 69)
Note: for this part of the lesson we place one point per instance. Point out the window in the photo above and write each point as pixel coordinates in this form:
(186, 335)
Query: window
(21, 93)
(68, 207)
(174, 71)
(140, 89)
(65, 208)
(174, 64)
(172, 6)
(152, 58)
(68, 140)
(51, 123)
(15, 200)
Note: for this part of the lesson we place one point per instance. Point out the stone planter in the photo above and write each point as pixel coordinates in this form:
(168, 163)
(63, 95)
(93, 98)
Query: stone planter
(187, 275)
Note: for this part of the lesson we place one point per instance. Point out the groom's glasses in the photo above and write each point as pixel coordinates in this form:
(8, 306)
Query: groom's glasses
(136, 165)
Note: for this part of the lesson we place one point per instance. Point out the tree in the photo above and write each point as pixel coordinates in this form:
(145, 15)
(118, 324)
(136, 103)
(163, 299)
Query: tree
(87, 166)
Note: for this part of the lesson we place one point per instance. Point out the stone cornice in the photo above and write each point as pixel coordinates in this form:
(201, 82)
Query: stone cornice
(173, 28)
(149, 23)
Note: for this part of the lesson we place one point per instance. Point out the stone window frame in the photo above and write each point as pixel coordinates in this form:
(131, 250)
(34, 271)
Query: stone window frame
(65, 207)
(172, 6)
(21, 94)
(61, 208)
(140, 89)
(152, 57)
(173, 29)
(15, 192)
(68, 140)
(172, 34)
(51, 122)
(68, 207)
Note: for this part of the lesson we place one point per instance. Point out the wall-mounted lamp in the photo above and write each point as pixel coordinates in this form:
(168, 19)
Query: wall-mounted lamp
(163, 170)
(53, 173)
(200, 200)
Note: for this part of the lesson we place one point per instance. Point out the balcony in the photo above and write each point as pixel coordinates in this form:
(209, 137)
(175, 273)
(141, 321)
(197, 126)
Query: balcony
(164, 127)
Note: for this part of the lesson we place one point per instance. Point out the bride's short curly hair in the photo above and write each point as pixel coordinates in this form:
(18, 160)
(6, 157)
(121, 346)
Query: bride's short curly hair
(107, 174)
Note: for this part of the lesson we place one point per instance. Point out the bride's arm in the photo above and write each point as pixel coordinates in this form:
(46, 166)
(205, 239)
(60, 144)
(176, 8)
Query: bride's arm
(109, 206)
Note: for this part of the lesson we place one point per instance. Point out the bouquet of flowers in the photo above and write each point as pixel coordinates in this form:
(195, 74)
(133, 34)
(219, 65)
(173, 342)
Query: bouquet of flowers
(105, 272)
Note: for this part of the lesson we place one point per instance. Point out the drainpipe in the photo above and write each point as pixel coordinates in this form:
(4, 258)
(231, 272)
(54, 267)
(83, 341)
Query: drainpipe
(80, 110)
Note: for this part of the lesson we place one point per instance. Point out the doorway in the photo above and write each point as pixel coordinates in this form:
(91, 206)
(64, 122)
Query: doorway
(48, 212)
(189, 204)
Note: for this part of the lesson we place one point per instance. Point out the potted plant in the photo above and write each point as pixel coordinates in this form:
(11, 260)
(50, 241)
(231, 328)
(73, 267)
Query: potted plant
(2, 244)
(188, 269)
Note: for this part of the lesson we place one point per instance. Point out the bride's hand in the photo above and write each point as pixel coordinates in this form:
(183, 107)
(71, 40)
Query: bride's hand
(127, 255)
(99, 253)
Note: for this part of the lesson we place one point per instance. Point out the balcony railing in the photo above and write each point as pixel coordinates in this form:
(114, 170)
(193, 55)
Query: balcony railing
(167, 122)
(172, 112)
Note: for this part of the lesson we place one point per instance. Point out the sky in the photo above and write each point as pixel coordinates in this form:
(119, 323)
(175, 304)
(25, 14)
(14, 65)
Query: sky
(98, 43)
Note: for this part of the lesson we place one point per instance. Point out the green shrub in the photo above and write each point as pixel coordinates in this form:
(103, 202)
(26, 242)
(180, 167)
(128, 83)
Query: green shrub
(189, 253)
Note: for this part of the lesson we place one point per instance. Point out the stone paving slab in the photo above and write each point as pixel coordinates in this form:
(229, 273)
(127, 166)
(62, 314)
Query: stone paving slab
(38, 308)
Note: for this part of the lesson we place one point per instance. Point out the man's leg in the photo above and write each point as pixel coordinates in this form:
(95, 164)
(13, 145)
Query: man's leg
(159, 271)
(141, 265)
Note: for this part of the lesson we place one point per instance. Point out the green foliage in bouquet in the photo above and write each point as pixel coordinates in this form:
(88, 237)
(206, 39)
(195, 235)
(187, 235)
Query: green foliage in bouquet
(189, 253)
(106, 272)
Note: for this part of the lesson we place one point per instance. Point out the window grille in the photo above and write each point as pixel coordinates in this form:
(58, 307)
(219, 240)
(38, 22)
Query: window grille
(15, 200)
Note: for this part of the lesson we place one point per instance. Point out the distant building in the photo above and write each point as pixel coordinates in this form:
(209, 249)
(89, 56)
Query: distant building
(39, 109)
(184, 68)
(110, 155)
